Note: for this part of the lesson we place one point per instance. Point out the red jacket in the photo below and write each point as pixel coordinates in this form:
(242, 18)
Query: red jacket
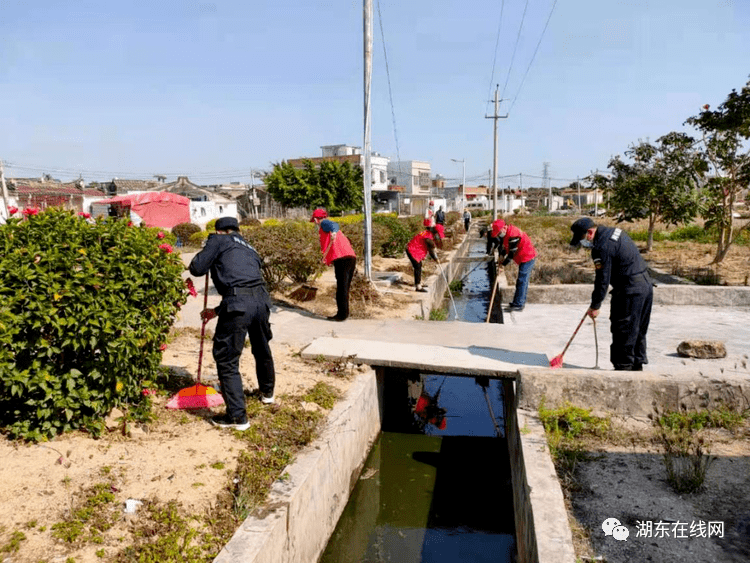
(517, 245)
(418, 247)
(340, 248)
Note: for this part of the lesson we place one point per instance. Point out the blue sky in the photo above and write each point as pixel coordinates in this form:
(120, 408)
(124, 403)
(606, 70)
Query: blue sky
(214, 89)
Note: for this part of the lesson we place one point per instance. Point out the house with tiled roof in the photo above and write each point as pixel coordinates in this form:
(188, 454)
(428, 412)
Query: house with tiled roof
(76, 196)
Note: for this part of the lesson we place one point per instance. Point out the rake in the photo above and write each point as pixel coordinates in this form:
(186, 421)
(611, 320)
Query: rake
(198, 396)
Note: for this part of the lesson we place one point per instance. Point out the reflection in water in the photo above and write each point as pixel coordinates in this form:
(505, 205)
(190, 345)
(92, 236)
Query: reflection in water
(436, 486)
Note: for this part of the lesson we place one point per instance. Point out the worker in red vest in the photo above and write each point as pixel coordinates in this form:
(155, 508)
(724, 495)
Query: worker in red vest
(514, 244)
(337, 250)
(418, 248)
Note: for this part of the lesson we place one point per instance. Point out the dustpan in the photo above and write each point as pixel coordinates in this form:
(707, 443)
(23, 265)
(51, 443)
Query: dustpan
(197, 396)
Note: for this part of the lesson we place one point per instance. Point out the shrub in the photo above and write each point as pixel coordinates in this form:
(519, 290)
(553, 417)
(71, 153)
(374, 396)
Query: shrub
(197, 239)
(289, 249)
(184, 230)
(694, 233)
(84, 312)
(399, 236)
(355, 232)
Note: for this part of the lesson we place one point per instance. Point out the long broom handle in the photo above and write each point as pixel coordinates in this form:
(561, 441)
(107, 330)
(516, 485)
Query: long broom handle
(575, 332)
(492, 299)
(203, 330)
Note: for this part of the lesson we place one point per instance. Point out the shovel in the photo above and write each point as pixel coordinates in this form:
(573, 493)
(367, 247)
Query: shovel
(557, 361)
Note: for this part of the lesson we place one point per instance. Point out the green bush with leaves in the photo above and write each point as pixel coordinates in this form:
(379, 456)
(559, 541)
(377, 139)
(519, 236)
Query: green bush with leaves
(401, 233)
(288, 249)
(85, 310)
(183, 231)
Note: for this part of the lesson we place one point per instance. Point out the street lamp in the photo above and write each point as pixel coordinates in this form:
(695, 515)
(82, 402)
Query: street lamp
(463, 183)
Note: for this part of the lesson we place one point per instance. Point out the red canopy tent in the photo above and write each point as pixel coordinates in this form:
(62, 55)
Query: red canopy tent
(156, 209)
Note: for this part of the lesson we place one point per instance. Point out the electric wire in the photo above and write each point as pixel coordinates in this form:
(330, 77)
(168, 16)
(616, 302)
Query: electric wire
(515, 47)
(494, 58)
(390, 90)
(532, 57)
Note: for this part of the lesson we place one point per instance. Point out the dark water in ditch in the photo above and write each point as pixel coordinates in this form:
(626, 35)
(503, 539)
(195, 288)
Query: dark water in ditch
(436, 485)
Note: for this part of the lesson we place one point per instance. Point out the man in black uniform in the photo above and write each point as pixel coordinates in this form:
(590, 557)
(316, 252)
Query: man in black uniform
(244, 310)
(619, 263)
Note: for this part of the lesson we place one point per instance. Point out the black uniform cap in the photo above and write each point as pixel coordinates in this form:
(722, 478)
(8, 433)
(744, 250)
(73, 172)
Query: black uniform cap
(579, 229)
(227, 224)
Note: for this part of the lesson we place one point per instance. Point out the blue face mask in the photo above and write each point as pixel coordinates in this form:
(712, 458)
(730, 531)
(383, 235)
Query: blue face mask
(586, 243)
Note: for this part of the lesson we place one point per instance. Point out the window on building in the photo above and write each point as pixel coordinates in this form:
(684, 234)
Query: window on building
(382, 176)
(424, 179)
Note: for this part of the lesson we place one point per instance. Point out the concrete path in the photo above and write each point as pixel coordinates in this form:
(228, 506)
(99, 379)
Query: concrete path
(531, 337)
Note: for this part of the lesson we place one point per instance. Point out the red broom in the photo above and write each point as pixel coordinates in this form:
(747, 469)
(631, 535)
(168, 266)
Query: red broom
(198, 396)
(557, 361)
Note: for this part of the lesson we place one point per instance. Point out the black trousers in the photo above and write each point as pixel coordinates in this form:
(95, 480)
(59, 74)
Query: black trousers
(629, 316)
(229, 341)
(417, 268)
(343, 268)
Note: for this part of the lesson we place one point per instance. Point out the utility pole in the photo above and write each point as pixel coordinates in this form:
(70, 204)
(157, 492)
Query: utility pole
(462, 194)
(6, 215)
(495, 116)
(545, 180)
(367, 156)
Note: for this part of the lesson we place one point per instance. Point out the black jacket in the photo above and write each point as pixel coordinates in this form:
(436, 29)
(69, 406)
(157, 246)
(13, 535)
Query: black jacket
(233, 263)
(618, 263)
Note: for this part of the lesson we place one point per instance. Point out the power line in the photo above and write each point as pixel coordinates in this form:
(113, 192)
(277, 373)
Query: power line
(533, 56)
(390, 91)
(494, 58)
(513, 56)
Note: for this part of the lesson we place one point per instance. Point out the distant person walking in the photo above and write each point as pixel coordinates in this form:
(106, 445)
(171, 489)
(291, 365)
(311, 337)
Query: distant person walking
(429, 215)
(467, 219)
(619, 263)
(337, 250)
(513, 244)
(417, 249)
(244, 310)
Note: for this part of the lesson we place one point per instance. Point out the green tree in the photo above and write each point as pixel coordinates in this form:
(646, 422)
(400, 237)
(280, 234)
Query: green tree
(337, 186)
(724, 132)
(662, 183)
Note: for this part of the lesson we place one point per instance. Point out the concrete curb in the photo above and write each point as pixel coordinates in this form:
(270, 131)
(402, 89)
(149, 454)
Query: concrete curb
(302, 510)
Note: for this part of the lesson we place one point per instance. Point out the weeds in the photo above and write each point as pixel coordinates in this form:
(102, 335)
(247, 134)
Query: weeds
(687, 453)
(13, 543)
(322, 394)
(439, 314)
(567, 428)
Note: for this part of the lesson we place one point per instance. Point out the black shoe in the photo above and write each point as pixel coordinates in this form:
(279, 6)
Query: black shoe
(422, 289)
(637, 367)
(226, 421)
(336, 318)
(514, 308)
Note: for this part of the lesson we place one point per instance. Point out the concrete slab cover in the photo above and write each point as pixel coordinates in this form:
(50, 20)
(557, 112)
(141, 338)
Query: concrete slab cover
(470, 360)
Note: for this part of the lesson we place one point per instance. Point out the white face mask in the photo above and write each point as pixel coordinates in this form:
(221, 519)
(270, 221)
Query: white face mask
(586, 243)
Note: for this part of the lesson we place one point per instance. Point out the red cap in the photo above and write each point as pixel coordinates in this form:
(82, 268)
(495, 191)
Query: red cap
(318, 214)
(497, 226)
(432, 203)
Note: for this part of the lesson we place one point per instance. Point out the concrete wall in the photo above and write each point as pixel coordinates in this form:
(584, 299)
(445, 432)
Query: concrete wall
(302, 511)
(667, 294)
(542, 531)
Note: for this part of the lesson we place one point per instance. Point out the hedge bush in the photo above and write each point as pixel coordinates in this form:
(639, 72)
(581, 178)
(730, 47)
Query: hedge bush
(288, 249)
(85, 310)
(183, 231)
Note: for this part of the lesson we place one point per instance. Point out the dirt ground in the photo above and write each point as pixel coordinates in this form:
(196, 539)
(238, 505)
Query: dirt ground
(181, 457)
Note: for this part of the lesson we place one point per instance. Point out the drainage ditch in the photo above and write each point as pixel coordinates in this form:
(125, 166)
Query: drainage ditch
(436, 485)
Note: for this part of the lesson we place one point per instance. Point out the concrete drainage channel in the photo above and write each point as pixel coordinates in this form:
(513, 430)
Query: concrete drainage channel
(302, 511)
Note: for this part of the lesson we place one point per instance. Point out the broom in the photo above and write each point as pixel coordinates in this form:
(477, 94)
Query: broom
(198, 396)
(557, 361)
